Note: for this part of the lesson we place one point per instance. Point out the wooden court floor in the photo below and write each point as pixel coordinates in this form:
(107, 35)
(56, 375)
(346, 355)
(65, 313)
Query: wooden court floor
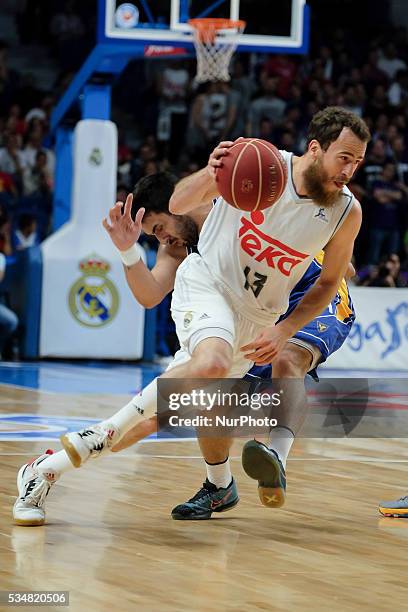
(110, 541)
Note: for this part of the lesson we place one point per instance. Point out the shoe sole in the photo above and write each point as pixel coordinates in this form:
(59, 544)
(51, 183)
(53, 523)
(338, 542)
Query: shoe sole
(260, 466)
(26, 522)
(393, 512)
(206, 517)
(71, 451)
(29, 523)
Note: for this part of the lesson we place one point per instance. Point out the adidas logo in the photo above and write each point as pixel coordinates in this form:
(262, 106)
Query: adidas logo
(203, 316)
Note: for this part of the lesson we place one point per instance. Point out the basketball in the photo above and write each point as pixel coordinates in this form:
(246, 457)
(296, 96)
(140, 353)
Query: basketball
(253, 175)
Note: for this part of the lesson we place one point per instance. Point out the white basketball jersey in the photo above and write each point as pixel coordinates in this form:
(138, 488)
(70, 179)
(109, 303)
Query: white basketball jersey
(259, 257)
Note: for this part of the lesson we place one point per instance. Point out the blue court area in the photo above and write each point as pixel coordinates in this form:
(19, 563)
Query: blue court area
(89, 377)
(118, 378)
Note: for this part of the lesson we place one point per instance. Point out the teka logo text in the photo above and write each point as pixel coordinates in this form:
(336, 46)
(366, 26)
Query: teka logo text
(261, 247)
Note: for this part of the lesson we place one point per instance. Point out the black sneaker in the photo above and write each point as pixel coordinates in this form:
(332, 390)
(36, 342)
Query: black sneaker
(209, 499)
(263, 464)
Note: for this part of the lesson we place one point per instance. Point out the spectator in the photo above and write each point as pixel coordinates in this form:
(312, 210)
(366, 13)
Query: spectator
(400, 156)
(173, 86)
(371, 169)
(383, 277)
(371, 74)
(352, 101)
(34, 146)
(20, 124)
(398, 92)
(385, 222)
(394, 263)
(150, 167)
(37, 179)
(242, 83)
(147, 153)
(12, 159)
(284, 68)
(390, 63)
(26, 234)
(267, 106)
(212, 116)
(378, 102)
(8, 319)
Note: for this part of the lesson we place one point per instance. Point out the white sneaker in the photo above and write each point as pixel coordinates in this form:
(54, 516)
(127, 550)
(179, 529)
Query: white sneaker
(33, 488)
(89, 442)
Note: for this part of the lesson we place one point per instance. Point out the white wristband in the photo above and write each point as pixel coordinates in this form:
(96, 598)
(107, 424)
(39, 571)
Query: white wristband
(130, 256)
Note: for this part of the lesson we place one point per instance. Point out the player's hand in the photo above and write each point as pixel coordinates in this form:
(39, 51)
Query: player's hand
(215, 159)
(266, 345)
(124, 232)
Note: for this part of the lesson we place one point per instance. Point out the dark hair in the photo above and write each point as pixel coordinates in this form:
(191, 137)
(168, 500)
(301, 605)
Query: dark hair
(153, 193)
(326, 125)
(40, 153)
(25, 220)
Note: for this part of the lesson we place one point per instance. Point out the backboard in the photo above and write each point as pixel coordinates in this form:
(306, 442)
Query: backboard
(272, 25)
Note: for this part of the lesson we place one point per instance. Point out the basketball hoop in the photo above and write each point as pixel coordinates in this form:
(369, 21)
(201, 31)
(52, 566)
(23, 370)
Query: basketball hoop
(215, 41)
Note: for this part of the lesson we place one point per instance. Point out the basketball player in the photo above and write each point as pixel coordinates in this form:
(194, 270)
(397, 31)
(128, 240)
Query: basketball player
(316, 210)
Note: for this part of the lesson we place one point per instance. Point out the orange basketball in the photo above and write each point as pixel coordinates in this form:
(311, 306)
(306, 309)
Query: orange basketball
(253, 175)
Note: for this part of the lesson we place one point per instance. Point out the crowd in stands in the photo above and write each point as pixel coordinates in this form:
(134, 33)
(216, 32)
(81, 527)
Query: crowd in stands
(274, 97)
(175, 123)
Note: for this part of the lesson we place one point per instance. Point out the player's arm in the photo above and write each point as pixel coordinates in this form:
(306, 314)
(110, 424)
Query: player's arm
(337, 256)
(350, 272)
(200, 188)
(150, 286)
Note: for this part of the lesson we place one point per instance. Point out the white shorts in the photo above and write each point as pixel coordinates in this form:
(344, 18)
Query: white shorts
(201, 310)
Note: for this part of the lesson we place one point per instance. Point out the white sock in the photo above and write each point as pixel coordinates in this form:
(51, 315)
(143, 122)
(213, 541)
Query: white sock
(57, 462)
(219, 474)
(281, 440)
(141, 407)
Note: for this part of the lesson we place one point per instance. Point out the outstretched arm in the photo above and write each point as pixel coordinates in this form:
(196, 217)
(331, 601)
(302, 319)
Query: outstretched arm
(148, 286)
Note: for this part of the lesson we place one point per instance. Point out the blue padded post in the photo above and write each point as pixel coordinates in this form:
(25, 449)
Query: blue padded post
(63, 177)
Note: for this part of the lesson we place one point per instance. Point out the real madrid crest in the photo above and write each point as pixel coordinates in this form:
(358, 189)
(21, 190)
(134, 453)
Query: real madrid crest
(93, 298)
(188, 317)
(95, 157)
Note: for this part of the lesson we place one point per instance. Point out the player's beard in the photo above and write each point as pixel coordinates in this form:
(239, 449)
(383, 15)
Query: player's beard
(187, 230)
(314, 177)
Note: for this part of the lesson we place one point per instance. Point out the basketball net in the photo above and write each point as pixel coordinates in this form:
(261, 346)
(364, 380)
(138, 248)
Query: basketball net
(215, 40)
